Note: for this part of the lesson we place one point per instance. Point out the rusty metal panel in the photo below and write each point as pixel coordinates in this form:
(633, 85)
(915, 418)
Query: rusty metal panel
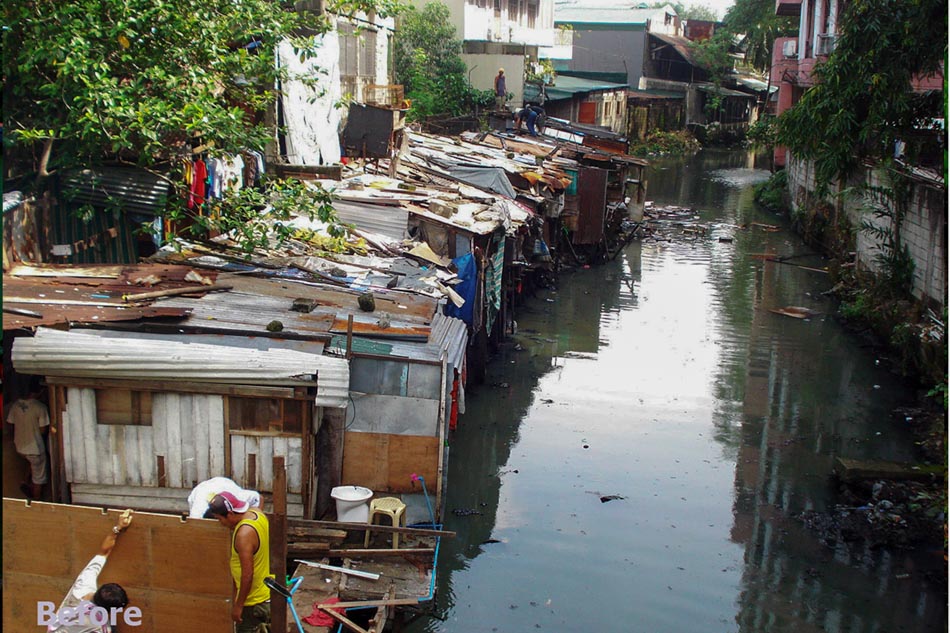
(611, 146)
(175, 571)
(592, 202)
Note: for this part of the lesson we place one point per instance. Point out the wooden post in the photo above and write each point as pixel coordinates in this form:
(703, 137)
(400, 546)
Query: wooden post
(440, 471)
(55, 444)
(349, 337)
(278, 545)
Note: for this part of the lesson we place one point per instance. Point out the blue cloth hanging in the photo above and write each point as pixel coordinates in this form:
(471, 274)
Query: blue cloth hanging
(468, 273)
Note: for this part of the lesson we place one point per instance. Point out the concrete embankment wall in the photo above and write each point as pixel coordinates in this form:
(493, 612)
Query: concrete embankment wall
(924, 229)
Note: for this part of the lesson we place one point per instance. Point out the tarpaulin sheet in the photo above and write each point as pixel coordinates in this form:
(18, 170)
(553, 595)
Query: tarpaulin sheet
(490, 178)
(312, 122)
(468, 273)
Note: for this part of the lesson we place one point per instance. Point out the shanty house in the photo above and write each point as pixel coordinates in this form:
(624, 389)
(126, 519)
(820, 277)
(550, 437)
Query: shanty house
(142, 410)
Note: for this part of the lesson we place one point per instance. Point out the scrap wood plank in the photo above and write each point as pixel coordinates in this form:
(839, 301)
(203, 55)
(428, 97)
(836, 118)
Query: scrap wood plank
(307, 549)
(175, 571)
(390, 602)
(365, 526)
(363, 553)
(378, 621)
(350, 624)
(107, 271)
(315, 532)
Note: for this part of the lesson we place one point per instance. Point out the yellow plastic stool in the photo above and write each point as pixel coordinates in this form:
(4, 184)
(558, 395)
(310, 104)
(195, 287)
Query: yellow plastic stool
(391, 507)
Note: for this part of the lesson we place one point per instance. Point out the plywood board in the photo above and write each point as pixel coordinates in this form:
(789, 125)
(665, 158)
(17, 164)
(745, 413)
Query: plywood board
(175, 571)
(386, 462)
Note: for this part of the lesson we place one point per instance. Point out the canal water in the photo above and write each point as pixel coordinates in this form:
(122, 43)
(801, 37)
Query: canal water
(637, 457)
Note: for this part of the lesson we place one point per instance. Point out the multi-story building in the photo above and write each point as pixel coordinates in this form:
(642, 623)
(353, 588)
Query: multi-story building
(501, 34)
(609, 39)
(794, 58)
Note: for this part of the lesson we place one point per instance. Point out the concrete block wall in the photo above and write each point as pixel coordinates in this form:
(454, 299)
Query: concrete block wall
(924, 229)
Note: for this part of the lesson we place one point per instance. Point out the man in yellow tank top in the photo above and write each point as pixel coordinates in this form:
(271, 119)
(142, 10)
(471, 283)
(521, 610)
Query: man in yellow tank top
(250, 560)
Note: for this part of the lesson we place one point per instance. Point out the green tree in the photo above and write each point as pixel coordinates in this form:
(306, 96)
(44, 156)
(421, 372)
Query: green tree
(757, 26)
(93, 81)
(863, 99)
(712, 55)
(691, 12)
(429, 65)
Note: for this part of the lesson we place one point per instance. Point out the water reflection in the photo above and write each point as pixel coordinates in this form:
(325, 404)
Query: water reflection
(664, 378)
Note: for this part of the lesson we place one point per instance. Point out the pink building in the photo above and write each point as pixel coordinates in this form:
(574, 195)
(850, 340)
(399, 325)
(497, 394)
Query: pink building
(794, 58)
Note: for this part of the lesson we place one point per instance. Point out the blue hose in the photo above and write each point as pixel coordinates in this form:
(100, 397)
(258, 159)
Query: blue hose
(425, 493)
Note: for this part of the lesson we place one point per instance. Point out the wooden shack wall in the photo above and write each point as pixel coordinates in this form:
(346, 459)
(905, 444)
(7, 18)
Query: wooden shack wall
(154, 467)
(187, 432)
(392, 425)
(175, 571)
(592, 197)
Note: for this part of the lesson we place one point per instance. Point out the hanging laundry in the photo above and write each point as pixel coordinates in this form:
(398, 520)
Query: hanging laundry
(198, 185)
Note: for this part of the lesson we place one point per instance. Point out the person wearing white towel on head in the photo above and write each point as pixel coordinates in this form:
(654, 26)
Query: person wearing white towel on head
(202, 494)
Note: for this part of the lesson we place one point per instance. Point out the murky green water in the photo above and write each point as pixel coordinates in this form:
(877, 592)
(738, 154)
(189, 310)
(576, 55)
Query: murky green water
(663, 378)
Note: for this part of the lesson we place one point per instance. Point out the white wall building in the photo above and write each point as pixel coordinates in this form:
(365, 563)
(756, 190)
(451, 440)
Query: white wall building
(501, 34)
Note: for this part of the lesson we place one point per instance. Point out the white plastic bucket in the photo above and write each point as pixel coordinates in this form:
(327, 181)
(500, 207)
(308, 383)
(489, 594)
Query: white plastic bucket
(352, 503)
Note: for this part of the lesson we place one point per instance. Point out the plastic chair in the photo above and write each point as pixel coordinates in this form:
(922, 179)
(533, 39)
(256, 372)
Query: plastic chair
(391, 507)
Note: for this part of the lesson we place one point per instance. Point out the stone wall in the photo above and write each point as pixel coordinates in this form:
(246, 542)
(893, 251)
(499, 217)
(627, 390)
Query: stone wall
(924, 229)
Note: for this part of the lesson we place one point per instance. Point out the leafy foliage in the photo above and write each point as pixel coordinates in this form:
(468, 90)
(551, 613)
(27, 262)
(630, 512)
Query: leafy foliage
(672, 143)
(259, 219)
(758, 27)
(429, 65)
(134, 79)
(712, 55)
(691, 12)
(862, 101)
(761, 134)
(888, 205)
(137, 81)
(541, 71)
(773, 193)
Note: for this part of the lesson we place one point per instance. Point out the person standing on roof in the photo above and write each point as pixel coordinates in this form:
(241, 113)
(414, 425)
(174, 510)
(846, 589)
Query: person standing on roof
(250, 560)
(30, 420)
(86, 597)
(501, 90)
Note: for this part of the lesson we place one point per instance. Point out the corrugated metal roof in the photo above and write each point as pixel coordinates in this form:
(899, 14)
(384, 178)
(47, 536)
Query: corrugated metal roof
(44, 295)
(126, 188)
(725, 92)
(450, 335)
(89, 354)
(655, 94)
(390, 221)
(680, 44)
(565, 86)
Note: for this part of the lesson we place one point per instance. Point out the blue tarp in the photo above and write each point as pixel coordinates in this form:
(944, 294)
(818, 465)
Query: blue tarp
(468, 273)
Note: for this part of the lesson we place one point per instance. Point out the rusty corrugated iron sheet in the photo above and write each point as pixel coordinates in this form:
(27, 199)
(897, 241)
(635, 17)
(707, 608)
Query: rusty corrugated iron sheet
(47, 295)
(592, 198)
(52, 315)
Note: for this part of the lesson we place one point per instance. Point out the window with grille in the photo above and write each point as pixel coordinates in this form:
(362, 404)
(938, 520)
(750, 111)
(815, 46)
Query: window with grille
(367, 52)
(349, 50)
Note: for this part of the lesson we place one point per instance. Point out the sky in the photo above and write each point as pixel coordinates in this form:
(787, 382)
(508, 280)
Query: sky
(719, 6)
